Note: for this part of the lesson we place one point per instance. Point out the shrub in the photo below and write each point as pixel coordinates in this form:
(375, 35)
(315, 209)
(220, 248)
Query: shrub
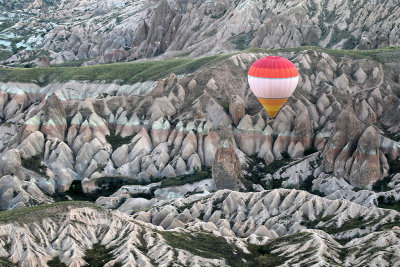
(388, 203)
(310, 150)
(98, 256)
(382, 185)
(243, 40)
(185, 179)
(35, 164)
(285, 155)
(55, 262)
(116, 140)
(218, 16)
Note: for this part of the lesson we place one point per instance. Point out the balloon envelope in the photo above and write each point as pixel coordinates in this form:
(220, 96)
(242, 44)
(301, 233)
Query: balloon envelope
(273, 80)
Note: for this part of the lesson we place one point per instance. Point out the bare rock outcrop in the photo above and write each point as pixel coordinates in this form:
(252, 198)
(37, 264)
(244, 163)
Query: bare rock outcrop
(343, 139)
(54, 118)
(236, 108)
(366, 163)
(226, 170)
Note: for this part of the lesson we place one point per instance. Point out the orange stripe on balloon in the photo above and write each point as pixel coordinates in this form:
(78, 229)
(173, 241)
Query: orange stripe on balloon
(272, 101)
(272, 113)
(273, 73)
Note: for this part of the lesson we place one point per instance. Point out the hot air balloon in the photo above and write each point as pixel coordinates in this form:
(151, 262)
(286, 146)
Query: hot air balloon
(273, 80)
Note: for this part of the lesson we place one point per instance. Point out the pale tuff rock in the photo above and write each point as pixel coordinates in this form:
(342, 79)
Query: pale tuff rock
(98, 226)
(180, 167)
(266, 145)
(120, 155)
(160, 131)
(199, 28)
(188, 141)
(201, 188)
(360, 75)
(189, 145)
(143, 144)
(306, 120)
(10, 161)
(276, 210)
(168, 172)
(32, 145)
(15, 193)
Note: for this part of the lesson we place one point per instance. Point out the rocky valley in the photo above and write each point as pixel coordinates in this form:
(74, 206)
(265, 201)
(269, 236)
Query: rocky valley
(113, 30)
(166, 154)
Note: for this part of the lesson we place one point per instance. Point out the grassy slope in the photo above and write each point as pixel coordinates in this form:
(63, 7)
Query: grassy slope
(204, 245)
(29, 214)
(123, 73)
(133, 72)
(383, 55)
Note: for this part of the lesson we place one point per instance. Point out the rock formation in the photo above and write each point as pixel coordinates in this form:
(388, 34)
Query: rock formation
(226, 170)
(123, 30)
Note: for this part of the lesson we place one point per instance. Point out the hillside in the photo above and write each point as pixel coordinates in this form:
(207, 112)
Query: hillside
(79, 233)
(138, 140)
(92, 32)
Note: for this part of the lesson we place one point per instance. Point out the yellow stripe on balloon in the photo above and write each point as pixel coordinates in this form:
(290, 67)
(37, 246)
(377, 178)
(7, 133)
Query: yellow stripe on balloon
(272, 105)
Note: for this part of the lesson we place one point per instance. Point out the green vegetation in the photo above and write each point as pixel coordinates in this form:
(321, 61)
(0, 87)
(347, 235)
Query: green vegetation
(218, 16)
(107, 186)
(116, 140)
(382, 55)
(98, 256)
(277, 164)
(266, 257)
(72, 63)
(55, 262)
(338, 36)
(196, 28)
(388, 203)
(211, 33)
(243, 40)
(123, 73)
(343, 241)
(310, 150)
(6, 24)
(34, 54)
(29, 214)
(35, 164)
(132, 72)
(353, 223)
(256, 171)
(307, 184)
(205, 244)
(4, 262)
(186, 179)
(389, 226)
(350, 43)
(394, 166)
(4, 54)
(382, 185)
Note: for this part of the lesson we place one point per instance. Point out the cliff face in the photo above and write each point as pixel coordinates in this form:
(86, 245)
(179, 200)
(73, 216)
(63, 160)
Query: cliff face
(113, 30)
(226, 170)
